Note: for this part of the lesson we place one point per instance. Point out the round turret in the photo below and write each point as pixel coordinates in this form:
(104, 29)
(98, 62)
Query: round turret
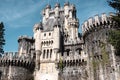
(66, 9)
(66, 4)
(56, 10)
(48, 6)
(95, 23)
(47, 9)
(38, 26)
(73, 7)
(57, 5)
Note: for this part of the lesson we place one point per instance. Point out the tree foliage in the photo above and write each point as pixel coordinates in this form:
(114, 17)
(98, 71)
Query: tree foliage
(114, 39)
(60, 65)
(2, 40)
(116, 5)
(114, 35)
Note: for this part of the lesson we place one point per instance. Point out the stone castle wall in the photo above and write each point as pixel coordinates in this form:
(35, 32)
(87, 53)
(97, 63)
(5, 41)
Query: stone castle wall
(101, 56)
(13, 67)
(15, 73)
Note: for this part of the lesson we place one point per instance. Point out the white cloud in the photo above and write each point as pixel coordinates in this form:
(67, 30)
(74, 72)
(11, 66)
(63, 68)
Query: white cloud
(15, 11)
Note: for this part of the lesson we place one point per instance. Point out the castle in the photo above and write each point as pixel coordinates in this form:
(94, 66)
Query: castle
(58, 52)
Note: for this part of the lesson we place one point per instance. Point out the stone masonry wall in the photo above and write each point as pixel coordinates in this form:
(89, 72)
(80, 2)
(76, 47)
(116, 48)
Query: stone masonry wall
(15, 73)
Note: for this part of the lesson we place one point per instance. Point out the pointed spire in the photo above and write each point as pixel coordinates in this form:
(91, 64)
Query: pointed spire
(57, 5)
(66, 3)
(48, 6)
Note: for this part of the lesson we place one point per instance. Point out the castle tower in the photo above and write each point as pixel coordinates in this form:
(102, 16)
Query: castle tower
(57, 8)
(46, 13)
(49, 39)
(100, 51)
(66, 13)
(37, 36)
(50, 46)
(56, 39)
(47, 43)
(26, 45)
(71, 23)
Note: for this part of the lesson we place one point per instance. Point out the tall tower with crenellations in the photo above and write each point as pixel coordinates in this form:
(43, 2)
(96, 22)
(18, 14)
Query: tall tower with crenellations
(59, 27)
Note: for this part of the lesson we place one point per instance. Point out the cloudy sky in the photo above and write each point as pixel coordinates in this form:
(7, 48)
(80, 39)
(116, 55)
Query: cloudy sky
(19, 16)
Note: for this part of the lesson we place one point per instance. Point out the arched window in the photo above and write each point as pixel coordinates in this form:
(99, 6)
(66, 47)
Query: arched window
(79, 62)
(68, 51)
(47, 53)
(68, 63)
(42, 43)
(44, 34)
(47, 43)
(52, 42)
(50, 53)
(49, 34)
(76, 62)
(82, 60)
(44, 54)
(65, 63)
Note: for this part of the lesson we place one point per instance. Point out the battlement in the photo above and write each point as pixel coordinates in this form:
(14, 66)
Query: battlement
(15, 56)
(25, 37)
(74, 22)
(72, 63)
(12, 58)
(38, 26)
(57, 10)
(9, 55)
(96, 22)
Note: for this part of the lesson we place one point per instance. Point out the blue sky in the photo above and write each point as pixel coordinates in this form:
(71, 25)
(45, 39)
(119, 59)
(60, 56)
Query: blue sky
(19, 16)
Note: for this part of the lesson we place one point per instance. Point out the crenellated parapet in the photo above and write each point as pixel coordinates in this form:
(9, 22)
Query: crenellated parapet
(37, 27)
(12, 59)
(73, 22)
(97, 22)
(25, 37)
(26, 45)
(72, 63)
(68, 10)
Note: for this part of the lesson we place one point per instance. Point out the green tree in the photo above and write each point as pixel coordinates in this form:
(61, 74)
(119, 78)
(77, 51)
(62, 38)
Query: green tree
(60, 64)
(116, 5)
(114, 39)
(2, 40)
(114, 35)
